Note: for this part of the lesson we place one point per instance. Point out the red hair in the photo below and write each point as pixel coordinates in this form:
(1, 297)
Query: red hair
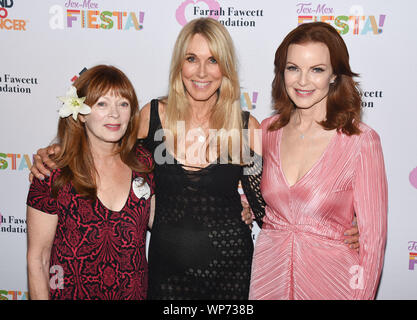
(75, 159)
(343, 100)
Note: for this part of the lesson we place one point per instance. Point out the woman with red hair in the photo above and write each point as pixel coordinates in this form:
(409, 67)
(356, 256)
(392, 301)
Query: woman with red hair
(87, 221)
(321, 166)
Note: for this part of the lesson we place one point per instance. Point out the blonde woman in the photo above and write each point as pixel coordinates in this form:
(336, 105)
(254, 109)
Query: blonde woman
(200, 248)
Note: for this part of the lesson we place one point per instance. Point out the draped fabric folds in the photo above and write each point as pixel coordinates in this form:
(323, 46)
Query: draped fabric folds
(300, 251)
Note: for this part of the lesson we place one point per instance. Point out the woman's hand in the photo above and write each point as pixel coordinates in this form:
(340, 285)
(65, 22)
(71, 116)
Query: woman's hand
(353, 236)
(246, 212)
(42, 164)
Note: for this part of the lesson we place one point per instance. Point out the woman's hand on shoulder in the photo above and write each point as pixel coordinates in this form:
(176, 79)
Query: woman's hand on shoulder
(42, 163)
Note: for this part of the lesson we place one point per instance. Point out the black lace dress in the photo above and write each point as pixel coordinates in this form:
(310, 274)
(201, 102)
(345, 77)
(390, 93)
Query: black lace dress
(199, 248)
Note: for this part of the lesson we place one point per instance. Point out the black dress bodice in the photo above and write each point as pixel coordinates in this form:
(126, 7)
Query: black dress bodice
(199, 248)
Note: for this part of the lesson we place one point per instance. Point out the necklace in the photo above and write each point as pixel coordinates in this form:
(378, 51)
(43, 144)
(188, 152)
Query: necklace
(300, 133)
(201, 135)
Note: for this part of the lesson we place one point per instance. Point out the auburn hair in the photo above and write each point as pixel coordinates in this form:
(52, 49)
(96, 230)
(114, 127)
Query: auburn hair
(344, 98)
(75, 158)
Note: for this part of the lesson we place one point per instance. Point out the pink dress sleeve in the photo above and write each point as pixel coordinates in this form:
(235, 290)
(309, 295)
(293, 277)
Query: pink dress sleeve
(370, 204)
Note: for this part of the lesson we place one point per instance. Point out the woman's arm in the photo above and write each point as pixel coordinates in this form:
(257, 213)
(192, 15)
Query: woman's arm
(144, 117)
(252, 173)
(151, 213)
(41, 234)
(255, 135)
(370, 198)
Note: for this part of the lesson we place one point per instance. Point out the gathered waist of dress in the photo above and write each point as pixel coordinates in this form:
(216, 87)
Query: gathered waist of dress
(328, 231)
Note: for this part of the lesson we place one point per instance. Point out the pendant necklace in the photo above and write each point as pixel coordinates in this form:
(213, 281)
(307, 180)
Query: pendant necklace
(300, 133)
(201, 135)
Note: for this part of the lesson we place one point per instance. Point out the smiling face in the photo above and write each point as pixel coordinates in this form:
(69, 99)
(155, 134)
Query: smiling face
(308, 74)
(200, 72)
(108, 120)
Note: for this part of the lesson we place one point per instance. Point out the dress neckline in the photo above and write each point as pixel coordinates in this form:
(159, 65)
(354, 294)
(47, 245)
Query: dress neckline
(127, 198)
(157, 124)
(314, 166)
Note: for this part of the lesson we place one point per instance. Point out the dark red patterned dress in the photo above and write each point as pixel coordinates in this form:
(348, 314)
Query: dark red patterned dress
(101, 252)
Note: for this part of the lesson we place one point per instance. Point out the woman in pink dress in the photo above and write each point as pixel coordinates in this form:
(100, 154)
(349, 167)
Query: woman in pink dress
(321, 166)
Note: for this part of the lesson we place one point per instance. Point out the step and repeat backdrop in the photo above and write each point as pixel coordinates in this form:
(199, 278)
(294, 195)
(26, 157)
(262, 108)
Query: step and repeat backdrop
(45, 45)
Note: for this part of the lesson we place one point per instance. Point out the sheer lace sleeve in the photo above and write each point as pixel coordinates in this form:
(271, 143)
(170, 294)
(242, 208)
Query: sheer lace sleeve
(251, 184)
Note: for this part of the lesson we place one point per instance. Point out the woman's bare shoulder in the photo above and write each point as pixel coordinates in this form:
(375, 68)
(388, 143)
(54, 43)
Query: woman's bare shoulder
(144, 117)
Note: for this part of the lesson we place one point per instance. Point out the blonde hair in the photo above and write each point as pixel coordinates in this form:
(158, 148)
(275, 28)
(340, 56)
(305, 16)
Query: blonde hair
(226, 113)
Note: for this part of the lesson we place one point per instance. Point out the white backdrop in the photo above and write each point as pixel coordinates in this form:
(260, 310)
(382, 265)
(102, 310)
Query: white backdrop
(44, 44)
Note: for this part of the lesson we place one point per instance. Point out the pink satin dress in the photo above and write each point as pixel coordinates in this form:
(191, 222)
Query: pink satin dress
(300, 252)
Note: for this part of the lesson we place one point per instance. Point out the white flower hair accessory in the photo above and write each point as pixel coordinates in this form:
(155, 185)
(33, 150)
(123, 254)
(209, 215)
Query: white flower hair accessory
(73, 105)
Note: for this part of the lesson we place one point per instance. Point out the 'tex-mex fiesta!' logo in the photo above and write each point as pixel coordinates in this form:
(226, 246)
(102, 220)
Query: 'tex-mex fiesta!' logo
(412, 247)
(355, 22)
(248, 100)
(13, 295)
(15, 161)
(228, 16)
(86, 14)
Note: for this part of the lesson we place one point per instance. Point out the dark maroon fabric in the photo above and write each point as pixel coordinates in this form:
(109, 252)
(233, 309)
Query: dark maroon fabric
(101, 252)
